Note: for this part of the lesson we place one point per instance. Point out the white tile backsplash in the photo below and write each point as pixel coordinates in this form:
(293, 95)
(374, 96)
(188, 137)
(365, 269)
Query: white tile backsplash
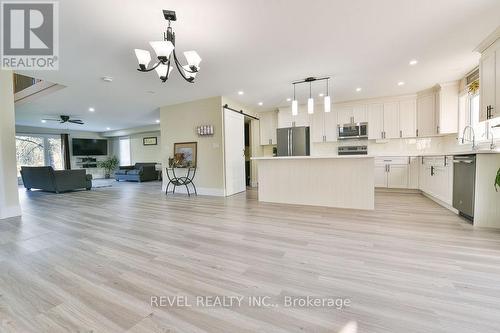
(395, 147)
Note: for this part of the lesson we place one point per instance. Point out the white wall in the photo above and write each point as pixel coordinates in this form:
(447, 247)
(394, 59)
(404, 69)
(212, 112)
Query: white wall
(9, 196)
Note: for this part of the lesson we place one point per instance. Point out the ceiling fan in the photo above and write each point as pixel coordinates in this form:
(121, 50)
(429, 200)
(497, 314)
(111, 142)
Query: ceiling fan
(66, 119)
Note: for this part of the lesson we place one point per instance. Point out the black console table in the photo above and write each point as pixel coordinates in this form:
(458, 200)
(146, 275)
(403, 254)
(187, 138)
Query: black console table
(181, 181)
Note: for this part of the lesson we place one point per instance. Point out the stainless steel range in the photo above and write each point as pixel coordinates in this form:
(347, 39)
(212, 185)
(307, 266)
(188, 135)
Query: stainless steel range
(353, 150)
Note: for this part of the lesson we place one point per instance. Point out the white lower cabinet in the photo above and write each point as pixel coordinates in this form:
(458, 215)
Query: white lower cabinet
(397, 176)
(392, 172)
(436, 177)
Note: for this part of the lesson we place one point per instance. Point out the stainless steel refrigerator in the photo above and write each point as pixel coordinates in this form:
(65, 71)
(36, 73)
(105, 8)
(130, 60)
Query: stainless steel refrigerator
(293, 141)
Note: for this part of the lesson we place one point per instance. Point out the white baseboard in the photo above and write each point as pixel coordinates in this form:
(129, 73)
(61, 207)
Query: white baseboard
(440, 202)
(218, 192)
(11, 211)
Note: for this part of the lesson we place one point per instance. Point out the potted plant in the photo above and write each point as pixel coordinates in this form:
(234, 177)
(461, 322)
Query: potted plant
(497, 180)
(109, 165)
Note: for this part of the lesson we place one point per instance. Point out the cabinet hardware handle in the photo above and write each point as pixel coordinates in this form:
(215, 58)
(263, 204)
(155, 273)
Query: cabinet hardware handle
(400, 133)
(437, 130)
(432, 170)
(417, 131)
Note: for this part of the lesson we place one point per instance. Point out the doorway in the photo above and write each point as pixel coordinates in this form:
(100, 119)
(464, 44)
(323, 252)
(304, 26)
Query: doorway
(234, 152)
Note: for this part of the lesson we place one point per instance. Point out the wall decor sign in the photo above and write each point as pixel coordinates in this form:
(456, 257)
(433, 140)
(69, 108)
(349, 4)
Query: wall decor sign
(205, 130)
(150, 141)
(185, 154)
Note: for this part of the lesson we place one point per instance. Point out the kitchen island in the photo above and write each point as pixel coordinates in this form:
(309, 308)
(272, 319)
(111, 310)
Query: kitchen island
(330, 181)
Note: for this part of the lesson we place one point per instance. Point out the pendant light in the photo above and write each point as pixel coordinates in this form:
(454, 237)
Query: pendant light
(310, 101)
(295, 104)
(327, 102)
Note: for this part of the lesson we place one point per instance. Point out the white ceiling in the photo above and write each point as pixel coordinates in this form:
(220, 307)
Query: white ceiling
(258, 46)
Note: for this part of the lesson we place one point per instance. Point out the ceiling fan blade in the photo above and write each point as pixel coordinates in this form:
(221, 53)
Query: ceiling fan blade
(52, 119)
(76, 121)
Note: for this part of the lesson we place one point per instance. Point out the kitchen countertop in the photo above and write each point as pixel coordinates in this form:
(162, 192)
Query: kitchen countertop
(466, 152)
(312, 157)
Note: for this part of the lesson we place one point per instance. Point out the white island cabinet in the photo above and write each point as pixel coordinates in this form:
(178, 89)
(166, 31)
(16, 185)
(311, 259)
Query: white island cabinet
(330, 181)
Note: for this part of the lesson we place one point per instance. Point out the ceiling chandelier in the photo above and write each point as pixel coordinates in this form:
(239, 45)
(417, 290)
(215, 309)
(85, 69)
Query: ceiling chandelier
(310, 100)
(165, 53)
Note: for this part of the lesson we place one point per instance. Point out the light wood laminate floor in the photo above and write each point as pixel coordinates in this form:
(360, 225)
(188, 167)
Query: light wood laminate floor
(91, 260)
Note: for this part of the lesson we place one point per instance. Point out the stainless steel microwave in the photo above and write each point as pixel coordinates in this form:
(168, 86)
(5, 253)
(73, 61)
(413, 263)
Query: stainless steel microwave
(353, 131)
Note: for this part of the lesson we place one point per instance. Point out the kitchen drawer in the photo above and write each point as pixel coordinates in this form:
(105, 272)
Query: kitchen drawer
(397, 160)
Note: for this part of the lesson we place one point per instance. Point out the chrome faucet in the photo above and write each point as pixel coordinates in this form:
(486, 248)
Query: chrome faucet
(473, 136)
(492, 144)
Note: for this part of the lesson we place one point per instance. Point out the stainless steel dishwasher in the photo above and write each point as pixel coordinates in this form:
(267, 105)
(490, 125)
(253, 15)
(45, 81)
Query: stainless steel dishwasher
(464, 181)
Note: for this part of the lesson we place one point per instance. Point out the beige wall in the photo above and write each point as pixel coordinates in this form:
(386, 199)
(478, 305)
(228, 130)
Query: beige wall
(140, 153)
(9, 197)
(178, 124)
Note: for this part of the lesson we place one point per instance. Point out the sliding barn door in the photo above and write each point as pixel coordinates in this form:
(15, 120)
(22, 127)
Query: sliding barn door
(234, 152)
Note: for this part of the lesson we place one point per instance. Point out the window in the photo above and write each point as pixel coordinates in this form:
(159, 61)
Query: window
(38, 150)
(125, 151)
(469, 115)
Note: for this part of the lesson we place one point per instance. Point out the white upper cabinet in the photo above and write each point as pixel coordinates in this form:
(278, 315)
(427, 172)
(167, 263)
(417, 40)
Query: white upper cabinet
(437, 110)
(330, 125)
(318, 127)
(408, 118)
(391, 120)
(285, 118)
(352, 114)
(359, 114)
(426, 111)
(447, 108)
(489, 74)
(323, 125)
(375, 121)
(344, 115)
(268, 123)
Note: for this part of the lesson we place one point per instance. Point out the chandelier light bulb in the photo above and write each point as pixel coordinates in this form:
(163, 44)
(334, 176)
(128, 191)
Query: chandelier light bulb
(193, 59)
(143, 57)
(162, 48)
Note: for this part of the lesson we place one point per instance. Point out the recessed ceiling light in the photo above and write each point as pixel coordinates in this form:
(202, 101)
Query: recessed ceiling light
(358, 89)
(321, 94)
(260, 103)
(240, 92)
(288, 99)
(107, 79)
(401, 83)
(44, 121)
(157, 121)
(413, 62)
(91, 109)
(108, 128)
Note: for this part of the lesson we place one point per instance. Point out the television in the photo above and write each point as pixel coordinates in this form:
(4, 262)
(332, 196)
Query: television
(90, 147)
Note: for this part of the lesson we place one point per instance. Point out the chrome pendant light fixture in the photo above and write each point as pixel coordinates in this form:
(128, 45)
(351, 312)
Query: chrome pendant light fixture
(167, 58)
(310, 100)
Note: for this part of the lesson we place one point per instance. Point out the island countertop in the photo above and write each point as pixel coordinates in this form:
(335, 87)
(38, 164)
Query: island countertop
(311, 157)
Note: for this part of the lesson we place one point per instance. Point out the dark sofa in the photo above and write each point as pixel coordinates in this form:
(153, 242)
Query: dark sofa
(47, 179)
(140, 172)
